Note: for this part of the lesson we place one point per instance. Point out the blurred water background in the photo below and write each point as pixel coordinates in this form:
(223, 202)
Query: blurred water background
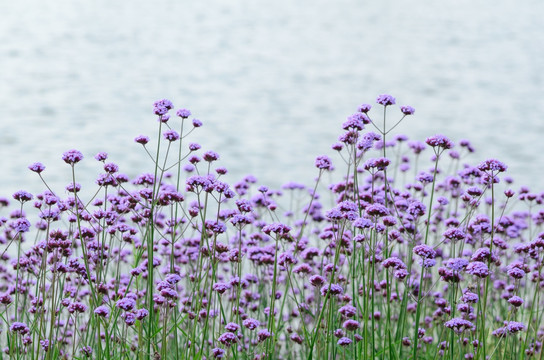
(272, 81)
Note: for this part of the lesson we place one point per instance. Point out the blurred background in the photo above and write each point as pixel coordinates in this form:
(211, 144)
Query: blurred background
(272, 81)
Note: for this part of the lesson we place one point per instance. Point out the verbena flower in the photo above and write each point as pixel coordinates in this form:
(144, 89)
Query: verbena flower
(478, 268)
(183, 113)
(515, 300)
(492, 165)
(407, 110)
(126, 304)
(37, 167)
(459, 325)
(323, 162)
(251, 324)
(385, 100)
(141, 139)
(102, 311)
(72, 156)
(439, 141)
(22, 196)
(171, 135)
(344, 341)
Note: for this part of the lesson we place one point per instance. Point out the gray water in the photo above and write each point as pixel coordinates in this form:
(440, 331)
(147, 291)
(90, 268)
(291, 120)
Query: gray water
(271, 80)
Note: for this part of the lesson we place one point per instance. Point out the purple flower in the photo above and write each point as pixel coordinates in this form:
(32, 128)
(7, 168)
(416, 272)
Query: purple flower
(323, 162)
(72, 156)
(169, 293)
(251, 324)
(101, 156)
(111, 168)
(457, 264)
(263, 334)
(221, 287)
(478, 268)
(378, 164)
(197, 123)
(161, 107)
(469, 297)
(171, 135)
(317, 280)
(126, 304)
(459, 325)
(348, 311)
(141, 313)
(364, 108)
(21, 225)
(130, 318)
(393, 262)
(439, 141)
(210, 156)
(102, 310)
(424, 251)
(454, 234)
(492, 165)
(227, 339)
(218, 353)
(279, 229)
(344, 341)
(385, 100)
(172, 278)
(296, 338)
(22, 196)
(515, 273)
(514, 327)
(141, 139)
(377, 210)
(335, 289)
(416, 208)
(356, 122)
(516, 301)
(77, 307)
(232, 327)
(362, 223)
(401, 274)
(165, 103)
(351, 325)
(183, 113)
(37, 167)
(194, 147)
(86, 350)
(407, 110)
(19, 327)
(424, 178)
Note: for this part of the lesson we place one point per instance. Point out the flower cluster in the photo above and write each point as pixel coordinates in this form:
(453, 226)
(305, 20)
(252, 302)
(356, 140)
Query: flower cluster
(177, 263)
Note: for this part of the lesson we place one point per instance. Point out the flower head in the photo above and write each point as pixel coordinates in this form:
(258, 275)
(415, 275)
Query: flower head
(492, 165)
(385, 100)
(364, 108)
(183, 113)
(478, 268)
(439, 141)
(459, 325)
(323, 162)
(72, 156)
(407, 110)
(37, 167)
(171, 135)
(141, 139)
(22, 196)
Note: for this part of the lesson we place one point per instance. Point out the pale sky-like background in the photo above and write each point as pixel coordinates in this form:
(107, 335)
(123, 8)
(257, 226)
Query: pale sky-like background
(272, 81)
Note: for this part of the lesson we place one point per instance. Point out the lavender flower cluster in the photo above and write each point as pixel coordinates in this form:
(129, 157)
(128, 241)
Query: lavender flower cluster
(409, 252)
